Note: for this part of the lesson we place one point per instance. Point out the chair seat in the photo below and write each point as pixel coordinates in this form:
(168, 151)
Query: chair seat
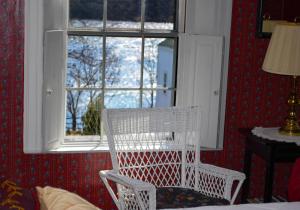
(174, 197)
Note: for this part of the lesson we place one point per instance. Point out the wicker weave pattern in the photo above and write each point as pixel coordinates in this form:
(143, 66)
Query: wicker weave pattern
(167, 169)
(130, 199)
(161, 147)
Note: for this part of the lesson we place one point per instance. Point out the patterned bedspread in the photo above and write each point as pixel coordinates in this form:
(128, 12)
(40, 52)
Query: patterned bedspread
(264, 206)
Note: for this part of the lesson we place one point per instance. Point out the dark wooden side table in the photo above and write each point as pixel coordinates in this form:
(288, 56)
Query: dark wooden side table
(271, 152)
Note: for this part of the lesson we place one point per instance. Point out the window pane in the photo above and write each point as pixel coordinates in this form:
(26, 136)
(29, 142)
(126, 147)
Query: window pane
(84, 61)
(158, 98)
(160, 14)
(124, 14)
(83, 111)
(121, 99)
(86, 13)
(158, 63)
(123, 62)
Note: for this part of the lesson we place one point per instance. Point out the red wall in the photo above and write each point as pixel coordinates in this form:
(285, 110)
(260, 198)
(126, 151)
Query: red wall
(254, 98)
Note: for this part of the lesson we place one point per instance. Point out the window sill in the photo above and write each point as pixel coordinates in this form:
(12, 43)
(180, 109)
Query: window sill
(93, 144)
(77, 144)
(81, 145)
(80, 149)
(100, 148)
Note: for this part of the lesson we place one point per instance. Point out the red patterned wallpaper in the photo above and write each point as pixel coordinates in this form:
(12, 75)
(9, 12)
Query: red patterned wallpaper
(254, 98)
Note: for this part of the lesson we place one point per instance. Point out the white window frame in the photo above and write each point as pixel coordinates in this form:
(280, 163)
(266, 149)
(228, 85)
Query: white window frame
(35, 27)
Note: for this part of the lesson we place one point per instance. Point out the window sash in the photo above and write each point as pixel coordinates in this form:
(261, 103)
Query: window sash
(112, 32)
(143, 12)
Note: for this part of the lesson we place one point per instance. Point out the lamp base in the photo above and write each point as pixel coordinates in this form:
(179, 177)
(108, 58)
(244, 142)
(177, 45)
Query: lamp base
(291, 126)
(289, 130)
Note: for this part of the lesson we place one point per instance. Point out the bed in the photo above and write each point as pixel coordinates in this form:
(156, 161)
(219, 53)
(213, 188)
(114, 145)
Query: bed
(263, 206)
(59, 199)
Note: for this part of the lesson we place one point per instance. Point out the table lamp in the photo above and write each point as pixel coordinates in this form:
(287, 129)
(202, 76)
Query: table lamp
(283, 57)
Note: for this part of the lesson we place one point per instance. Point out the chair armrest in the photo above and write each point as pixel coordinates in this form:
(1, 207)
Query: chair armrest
(145, 192)
(236, 175)
(223, 179)
(126, 181)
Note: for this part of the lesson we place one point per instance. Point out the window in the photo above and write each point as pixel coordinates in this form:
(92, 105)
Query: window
(120, 54)
(83, 56)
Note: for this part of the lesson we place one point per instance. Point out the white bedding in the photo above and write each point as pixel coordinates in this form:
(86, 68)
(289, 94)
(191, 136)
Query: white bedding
(263, 206)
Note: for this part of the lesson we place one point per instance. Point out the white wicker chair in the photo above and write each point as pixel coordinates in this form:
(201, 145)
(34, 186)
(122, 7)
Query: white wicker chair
(156, 148)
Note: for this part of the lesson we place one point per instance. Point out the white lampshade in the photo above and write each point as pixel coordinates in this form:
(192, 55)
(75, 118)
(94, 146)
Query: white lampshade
(283, 54)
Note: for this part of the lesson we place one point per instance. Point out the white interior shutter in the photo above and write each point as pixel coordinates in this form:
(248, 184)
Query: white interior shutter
(212, 18)
(33, 76)
(199, 80)
(209, 17)
(53, 88)
(42, 49)
(56, 14)
(55, 59)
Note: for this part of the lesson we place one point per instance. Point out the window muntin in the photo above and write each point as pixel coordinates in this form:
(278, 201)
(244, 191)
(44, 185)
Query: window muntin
(114, 62)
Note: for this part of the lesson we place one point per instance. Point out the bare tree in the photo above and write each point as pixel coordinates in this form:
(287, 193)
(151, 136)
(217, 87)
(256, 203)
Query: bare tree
(150, 66)
(85, 66)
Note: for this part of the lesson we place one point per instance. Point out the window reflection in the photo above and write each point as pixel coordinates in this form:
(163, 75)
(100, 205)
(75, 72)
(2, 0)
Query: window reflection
(84, 61)
(158, 62)
(87, 13)
(124, 14)
(123, 67)
(160, 14)
(121, 99)
(83, 112)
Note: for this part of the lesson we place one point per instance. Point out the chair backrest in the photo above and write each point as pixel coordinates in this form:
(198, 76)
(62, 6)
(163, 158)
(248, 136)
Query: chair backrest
(159, 145)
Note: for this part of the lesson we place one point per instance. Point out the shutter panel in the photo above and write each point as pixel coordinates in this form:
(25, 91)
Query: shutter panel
(41, 16)
(56, 14)
(209, 17)
(53, 88)
(199, 80)
(33, 76)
